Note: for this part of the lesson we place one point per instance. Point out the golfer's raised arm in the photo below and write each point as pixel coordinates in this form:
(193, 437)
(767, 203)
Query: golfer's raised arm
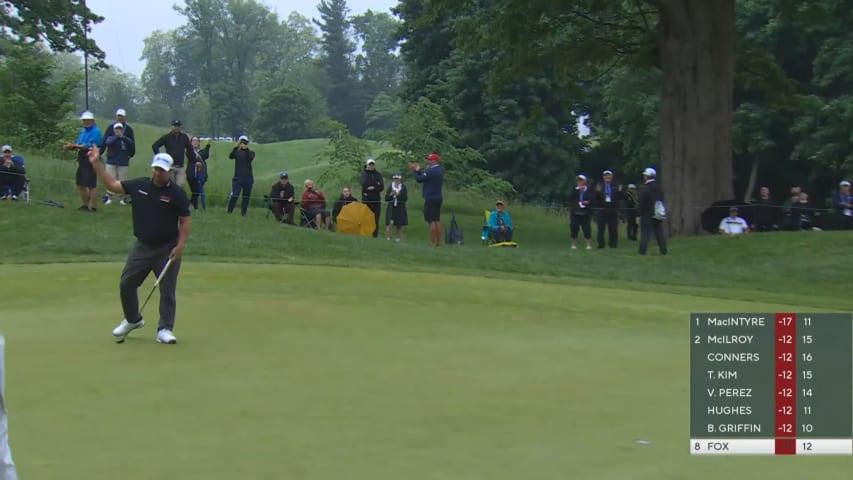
(111, 183)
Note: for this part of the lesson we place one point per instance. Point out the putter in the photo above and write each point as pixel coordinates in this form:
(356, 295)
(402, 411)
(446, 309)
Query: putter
(156, 283)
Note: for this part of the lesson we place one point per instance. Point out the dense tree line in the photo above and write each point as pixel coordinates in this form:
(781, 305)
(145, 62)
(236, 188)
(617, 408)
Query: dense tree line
(722, 98)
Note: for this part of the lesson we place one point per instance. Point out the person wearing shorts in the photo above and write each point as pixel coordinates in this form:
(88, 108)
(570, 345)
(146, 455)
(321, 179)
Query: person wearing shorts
(86, 178)
(432, 179)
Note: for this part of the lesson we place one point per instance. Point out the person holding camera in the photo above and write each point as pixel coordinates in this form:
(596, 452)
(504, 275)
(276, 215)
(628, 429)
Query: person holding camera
(244, 178)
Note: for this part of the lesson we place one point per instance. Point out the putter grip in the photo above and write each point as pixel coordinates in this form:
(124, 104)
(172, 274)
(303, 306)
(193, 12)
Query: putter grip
(163, 272)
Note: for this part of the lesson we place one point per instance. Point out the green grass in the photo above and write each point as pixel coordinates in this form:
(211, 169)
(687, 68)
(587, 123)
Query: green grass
(312, 355)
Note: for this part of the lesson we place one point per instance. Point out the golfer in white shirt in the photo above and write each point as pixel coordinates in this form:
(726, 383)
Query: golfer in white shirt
(733, 224)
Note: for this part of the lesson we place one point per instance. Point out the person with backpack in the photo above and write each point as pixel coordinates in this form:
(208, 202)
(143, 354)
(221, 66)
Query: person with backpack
(652, 212)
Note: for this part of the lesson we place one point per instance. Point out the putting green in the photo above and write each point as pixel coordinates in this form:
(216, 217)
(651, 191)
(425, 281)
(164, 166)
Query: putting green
(330, 373)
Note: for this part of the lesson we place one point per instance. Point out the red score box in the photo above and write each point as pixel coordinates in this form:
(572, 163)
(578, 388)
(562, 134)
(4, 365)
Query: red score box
(786, 383)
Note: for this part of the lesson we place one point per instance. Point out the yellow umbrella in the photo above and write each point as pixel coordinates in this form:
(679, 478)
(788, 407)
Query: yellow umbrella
(356, 219)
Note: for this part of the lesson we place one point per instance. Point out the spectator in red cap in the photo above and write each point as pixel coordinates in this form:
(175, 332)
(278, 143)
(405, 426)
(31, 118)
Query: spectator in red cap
(432, 179)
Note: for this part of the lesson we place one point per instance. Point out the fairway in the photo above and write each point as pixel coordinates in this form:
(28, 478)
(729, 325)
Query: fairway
(331, 373)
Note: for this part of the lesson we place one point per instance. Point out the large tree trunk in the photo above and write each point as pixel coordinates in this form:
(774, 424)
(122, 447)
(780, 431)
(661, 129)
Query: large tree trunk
(697, 42)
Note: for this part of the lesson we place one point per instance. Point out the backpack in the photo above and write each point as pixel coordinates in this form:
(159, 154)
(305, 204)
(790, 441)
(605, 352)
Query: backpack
(454, 233)
(660, 211)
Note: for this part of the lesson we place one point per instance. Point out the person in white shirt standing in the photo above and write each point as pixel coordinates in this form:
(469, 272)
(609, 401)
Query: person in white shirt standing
(733, 224)
(7, 466)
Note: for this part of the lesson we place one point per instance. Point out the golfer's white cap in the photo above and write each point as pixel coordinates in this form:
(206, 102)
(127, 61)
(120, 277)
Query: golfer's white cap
(121, 113)
(162, 160)
(650, 172)
(118, 125)
(581, 177)
(844, 183)
(370, 161)
(6, 148)
(87, 115)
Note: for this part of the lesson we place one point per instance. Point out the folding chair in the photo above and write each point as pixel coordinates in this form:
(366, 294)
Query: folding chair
(306, 221)
(488, 237)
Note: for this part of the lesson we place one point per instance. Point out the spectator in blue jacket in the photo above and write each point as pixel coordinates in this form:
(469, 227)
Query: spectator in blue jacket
(86, 178)
(13, 177)
(843, 204)
(120, 149)
(432, 180)
(500, 223)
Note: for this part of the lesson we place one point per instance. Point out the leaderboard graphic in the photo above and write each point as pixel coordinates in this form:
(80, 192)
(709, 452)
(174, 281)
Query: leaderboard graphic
(771, 384)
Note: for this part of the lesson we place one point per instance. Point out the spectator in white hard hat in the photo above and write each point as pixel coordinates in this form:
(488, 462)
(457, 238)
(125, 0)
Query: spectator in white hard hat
(86, 178)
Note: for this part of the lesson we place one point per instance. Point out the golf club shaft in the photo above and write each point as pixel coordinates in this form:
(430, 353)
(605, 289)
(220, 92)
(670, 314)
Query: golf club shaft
(156, 283)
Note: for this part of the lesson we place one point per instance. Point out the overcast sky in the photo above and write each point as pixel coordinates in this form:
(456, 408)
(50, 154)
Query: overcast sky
(126, 23)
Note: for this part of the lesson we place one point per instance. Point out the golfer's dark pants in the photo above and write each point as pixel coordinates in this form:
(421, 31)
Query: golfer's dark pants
(608, 219)
(499, 236)
(632, 225)
(142, 261)
(375, 206)
(649, 226)
(239, 184)
(581, 222)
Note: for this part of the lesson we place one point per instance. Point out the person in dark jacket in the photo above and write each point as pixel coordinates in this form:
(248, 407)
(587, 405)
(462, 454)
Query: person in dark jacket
(396, 214)
(843, 204)
(127, 130)
(371, 191)
(607, 198)
(345, 199)
(197, 172)
(13, 176)
(649, 195)
(244, 178)
(120, 149)
(580, 201)
(433, 180)
(282, 198)
(765, 213)
(179, 147)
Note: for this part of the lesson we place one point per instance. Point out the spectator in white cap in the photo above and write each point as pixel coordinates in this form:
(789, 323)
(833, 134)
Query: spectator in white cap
(13, 176)
(396, 213)
(161, 225)
(579, 211)
(86, 179)
(372, 186)
(607, 199)
(120, 149)
(651, 197)
(843, 203)
(244, 177)
(127, 130)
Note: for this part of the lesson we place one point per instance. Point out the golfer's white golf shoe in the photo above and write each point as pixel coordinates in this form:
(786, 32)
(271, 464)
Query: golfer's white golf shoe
(124, 328)
(166, 336)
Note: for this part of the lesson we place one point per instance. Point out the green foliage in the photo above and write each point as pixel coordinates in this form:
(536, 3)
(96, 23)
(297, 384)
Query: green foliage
(383, 116)
(34, 98)
(287, 113)
(345, 100)
(345, 154)
(61, 23)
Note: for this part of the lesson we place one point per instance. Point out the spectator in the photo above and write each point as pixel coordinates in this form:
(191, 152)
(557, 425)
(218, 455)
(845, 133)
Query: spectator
(345, 199)
(282, 198)
(766, 213)
(500, 223)
(128, 132)
(86, 178)
(197, 172)
(120, 149)
(244, 177)
(843, 204)
(607, 198)
(13, 176)
(314, 205)
(579, 208)
(649, 223)
(805, 211)
(733, 224)
(371, 190)
(789, 209)
(433, 180)
(178, 146)
(630, 206)
(396, 215)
